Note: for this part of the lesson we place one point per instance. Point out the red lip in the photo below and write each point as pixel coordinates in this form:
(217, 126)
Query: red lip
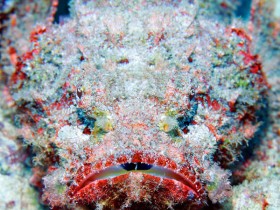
(166, 180)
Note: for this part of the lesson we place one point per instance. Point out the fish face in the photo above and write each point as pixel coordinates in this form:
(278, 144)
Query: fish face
(138, 106)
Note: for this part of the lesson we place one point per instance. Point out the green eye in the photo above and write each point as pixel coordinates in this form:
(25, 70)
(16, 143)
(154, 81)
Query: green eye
(97, 123)
(168, 123)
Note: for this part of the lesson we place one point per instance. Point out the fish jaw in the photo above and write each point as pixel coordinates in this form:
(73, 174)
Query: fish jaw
(164, 183)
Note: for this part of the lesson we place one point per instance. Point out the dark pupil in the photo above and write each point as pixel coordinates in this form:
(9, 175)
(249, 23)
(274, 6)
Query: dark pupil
(185, 120)
(136, 166)
(85, 119)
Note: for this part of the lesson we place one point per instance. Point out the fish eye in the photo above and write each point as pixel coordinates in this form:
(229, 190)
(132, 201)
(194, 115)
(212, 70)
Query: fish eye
(187, 118)
(85, 118)
(96, 122)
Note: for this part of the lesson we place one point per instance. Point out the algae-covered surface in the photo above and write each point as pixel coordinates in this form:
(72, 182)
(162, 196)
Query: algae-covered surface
(140, 104)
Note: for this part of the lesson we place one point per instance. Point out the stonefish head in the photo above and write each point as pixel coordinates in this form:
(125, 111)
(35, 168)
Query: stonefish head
(137, 104)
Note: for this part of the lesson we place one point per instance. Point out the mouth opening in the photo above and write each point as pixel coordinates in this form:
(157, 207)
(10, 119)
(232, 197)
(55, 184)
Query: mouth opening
(138, 167)
(137, 176)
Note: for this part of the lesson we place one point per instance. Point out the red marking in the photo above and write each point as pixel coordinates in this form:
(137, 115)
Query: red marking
(215, 105)
(110, 161)
(161, 161)
(200, 99)
(172, 165)
(149, 159)
(88, 190)
(59, 105)
(87, 131)
(231, 105)
(27, 56)
(55, 3)
(51, 169)
(36, 32)
(98, 165)
(122, 159)
(13, 20)
(66, 85)
(37, 177)
(241, 33)
(194, 122)
(255, 68)
(213, 130)
(241, 44)
(265, 204)
(224, 5)
(185, 130)
(137, 157)
(125, 60)
(13, 55)
(208, 99)
(158, 38)
(196, 161)
(56, 105)
(40, 131)
(18, 75)
(248, 58)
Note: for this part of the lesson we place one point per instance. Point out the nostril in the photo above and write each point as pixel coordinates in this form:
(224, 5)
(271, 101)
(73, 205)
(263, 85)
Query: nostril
(136, 166)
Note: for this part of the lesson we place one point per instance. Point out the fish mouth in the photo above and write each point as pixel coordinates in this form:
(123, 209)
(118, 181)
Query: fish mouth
(154, 170)
(176, 182)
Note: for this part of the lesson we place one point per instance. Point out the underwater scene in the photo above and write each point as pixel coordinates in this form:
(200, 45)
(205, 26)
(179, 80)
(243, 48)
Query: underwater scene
(140, 105)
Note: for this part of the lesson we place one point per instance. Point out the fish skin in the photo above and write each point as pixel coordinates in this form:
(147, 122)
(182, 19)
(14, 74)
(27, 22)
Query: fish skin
(106, 84)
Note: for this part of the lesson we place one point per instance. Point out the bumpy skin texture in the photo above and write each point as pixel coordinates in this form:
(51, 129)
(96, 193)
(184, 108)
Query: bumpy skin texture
(144, 82)
(260, 173)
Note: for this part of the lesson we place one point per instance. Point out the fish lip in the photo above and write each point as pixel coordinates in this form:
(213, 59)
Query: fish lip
(184, 173)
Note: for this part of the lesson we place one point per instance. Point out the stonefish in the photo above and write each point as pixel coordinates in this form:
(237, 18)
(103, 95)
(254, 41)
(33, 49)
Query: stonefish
(137, 105)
